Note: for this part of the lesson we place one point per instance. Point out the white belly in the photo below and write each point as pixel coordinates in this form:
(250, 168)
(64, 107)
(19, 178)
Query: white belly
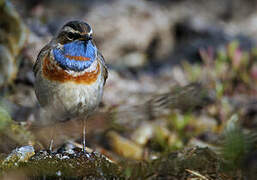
(63, 101)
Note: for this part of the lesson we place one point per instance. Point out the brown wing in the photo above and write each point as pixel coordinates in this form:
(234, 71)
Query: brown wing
(105, 69)
(40, 56)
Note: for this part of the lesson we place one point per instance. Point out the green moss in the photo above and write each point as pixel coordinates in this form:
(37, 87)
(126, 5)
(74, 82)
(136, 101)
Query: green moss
(59, 165)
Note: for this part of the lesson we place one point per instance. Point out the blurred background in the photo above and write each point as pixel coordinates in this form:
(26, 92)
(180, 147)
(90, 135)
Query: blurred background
(181, 74)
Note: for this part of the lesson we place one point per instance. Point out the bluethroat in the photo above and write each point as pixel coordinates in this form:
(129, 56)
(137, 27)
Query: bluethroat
(70, 75)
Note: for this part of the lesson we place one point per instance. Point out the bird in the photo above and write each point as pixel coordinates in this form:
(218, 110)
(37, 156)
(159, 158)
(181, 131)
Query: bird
(70, 74)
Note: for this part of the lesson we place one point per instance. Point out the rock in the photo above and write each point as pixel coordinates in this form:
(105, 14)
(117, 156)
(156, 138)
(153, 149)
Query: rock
(19, 155)
(125, 147)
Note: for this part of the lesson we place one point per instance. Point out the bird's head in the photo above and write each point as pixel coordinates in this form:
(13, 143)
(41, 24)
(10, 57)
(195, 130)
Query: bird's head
(73, 31)
(75, 50)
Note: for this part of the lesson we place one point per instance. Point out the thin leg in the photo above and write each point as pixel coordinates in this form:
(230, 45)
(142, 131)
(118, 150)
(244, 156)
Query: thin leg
(51, 145)
(52, 139)
(84, 134)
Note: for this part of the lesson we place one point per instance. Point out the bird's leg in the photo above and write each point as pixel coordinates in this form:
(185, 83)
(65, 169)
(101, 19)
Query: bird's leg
(51, 145)
(84, 134)
(52, 139)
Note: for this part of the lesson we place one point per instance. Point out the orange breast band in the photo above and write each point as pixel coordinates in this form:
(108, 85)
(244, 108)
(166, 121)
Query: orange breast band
(78, 58)
(51, 72)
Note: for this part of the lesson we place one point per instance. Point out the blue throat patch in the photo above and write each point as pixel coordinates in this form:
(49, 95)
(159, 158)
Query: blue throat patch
(79, 49)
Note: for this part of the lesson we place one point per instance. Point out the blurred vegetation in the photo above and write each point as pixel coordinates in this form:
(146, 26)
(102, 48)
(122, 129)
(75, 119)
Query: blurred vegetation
(13, 36)
(229, 71)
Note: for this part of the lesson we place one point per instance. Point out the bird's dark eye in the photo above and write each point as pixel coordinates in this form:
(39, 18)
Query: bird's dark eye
(76, 36)
(70, 35)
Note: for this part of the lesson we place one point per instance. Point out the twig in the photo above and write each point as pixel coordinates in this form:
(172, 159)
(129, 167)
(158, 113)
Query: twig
(197, 174)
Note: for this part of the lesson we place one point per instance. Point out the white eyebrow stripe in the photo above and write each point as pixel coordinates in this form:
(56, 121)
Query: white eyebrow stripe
(91, 31)
(69, 29)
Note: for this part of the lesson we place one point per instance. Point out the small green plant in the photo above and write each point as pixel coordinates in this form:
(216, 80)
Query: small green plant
(236, 143)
